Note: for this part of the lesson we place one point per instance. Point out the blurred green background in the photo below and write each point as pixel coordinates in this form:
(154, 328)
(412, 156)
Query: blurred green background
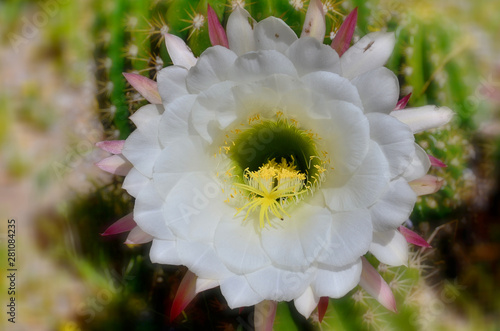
(62, 90)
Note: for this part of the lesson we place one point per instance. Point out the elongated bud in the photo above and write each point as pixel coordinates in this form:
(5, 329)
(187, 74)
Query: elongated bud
(111, 146)
(436, 162)
(185, 294)
(424, 118)
(376, 286)
(427, 184)
(322, 307)
(314, 24)
(124, 224)
(138, 237)
(342, 39)
(403, 102)
(115, 164)
(413, 238)
(146, 87)
(265, 312)
(179, 52)
(216, 32)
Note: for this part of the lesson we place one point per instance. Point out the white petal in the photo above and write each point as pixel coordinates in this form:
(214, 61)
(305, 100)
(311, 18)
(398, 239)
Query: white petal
(134, 182)
(214, 110)
(390, 247)
(257, 65)
(211, 68)
(347, 132)
(394, 207)
(395, 139)
(239, 32)
(336, 282)
(333, 87)
(202, 260)
(238, 292)
(370, 52)
(164, 252)
(179, 52)
(351, 235)
(174, 122)
(142, 148)
(172, 83)
(424, 118)
(194, 207)
(146, 117)
(273, 34)
(419, 165)
(176, 161)
(280, 285)
(378, 89)
(309, 55)
(148, 213)
(255, 98)
(238, 245)
(298, 240)
(364, 187)
(186, 154)
(306, 303)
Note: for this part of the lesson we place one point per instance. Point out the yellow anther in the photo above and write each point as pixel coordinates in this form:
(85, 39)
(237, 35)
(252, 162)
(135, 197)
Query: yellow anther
(270, 188)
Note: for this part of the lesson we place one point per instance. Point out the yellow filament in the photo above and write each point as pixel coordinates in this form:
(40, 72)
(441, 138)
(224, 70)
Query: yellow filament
(269, 187)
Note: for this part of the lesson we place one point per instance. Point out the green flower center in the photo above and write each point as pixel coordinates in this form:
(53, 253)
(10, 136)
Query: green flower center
(275, 164)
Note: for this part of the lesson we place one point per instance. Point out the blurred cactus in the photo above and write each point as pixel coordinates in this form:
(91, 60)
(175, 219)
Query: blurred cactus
(429, 60)
(129, 38)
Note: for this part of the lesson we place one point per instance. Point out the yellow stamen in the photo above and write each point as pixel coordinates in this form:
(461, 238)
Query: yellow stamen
(271, 187)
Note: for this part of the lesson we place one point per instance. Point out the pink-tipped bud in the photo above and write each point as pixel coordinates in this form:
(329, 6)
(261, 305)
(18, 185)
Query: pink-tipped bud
(265, 312)
(322, 307)
(124, 224)
(435, 162)
(111, 146)
(115, 164)
(314, 24)
(413, 238)
(427, 184)
(343, 37)
(138, 237)
(216, 32)
(403, 102)
(185, 294)
(146, 87)
(376, 286)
